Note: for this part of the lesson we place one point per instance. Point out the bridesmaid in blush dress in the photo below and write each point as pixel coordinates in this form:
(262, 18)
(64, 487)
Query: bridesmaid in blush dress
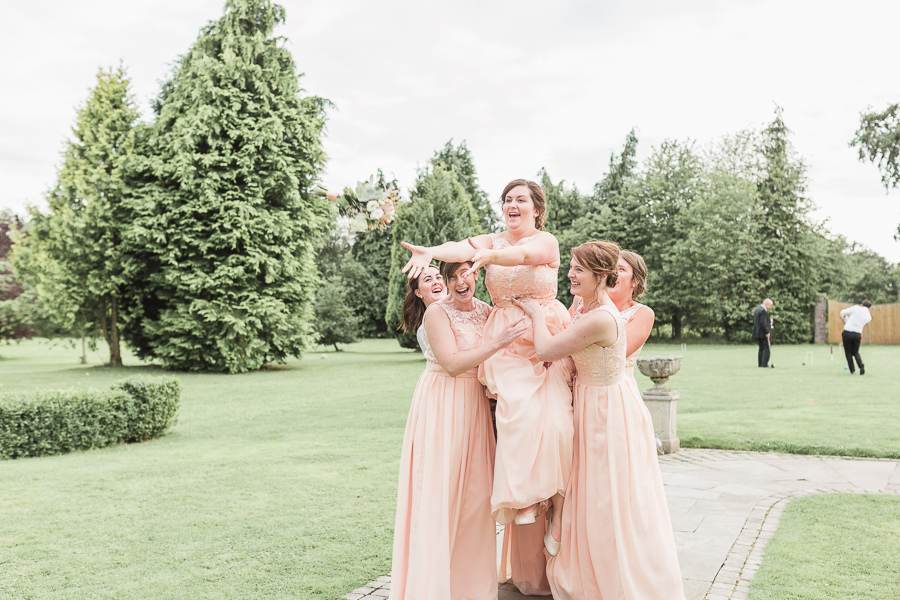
(616, 536)
(639, 318)
(444, 537)
(534, 402)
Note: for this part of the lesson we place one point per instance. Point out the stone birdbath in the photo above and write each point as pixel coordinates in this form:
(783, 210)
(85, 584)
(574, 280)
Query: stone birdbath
(660, 400)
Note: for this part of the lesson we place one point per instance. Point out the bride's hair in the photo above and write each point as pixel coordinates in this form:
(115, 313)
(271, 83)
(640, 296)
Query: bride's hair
(413, 306)
(537, 196)
(600, 258)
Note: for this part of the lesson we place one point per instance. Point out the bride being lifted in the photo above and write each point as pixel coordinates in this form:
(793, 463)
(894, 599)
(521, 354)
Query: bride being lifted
(534, 401)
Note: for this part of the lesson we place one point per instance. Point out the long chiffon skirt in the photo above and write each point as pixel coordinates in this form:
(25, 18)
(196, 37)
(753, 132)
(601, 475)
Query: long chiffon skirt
(534, 415)
(444, 537)
(617, 539)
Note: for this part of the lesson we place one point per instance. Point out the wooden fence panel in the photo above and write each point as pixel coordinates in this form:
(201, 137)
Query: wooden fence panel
(883, 329)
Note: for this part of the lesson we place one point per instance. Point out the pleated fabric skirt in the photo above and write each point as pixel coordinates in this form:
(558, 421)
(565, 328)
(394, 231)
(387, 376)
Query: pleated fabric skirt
(617, 539)
(534, 415)
(444, 536)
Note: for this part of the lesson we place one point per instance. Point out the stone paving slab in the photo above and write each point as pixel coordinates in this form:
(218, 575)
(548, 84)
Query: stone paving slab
(726, 505)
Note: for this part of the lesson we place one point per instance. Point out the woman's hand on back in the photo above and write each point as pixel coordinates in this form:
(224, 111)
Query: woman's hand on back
(510, 333)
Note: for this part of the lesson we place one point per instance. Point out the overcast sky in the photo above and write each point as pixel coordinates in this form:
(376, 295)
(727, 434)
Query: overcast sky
(527, 84)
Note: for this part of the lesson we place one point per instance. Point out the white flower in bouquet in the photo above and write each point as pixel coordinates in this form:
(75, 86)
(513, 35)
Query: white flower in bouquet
(376, 214)
(359, 223)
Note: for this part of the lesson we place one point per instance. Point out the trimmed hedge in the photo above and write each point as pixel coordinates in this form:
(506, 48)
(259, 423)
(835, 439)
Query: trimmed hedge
(54, 422)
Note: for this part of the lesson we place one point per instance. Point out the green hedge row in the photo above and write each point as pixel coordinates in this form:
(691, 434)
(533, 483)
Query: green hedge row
(42, 423)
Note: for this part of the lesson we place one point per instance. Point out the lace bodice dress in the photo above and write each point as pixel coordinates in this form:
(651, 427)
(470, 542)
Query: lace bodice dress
(601, 365)
(444, 536)
(522, 281)
(617, 539)
(467, 327)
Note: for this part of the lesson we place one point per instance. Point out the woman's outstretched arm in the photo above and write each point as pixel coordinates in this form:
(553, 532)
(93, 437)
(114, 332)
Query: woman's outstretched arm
(541, 251)
(447, 252)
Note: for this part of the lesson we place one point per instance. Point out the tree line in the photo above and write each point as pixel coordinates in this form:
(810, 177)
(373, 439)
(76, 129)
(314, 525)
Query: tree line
(198, 239)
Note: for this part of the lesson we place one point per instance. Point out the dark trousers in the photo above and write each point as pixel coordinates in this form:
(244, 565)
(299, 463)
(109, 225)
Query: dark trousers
(764, 352)
(851, 341)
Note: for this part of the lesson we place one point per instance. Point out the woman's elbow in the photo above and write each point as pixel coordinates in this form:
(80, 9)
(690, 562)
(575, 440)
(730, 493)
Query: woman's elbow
(544, 356)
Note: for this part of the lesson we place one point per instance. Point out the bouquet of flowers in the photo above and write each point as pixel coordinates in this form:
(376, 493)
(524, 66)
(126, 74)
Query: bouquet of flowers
(369, 206)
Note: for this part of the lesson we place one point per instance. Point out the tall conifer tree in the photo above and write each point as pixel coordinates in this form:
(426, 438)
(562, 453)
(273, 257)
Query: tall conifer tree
(786, 260)
(79, 260)
(440, 211)
(227, 219)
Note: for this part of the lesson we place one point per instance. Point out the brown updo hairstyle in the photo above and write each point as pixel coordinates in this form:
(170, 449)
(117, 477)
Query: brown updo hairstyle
(537, 196)
(449, 268)
(600, 258)
(638, 272)
(413, 306)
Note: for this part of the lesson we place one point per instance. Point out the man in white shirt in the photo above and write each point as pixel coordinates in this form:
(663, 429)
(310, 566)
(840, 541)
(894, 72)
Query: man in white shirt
(855, 318)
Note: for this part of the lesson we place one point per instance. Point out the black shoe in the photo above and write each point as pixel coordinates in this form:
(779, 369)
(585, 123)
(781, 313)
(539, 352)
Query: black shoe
(862, 370)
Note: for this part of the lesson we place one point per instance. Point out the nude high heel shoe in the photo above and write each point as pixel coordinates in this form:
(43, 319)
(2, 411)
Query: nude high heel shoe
(551, 543)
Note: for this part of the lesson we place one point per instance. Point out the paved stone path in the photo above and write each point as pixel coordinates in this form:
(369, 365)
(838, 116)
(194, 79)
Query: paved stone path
(725, 506)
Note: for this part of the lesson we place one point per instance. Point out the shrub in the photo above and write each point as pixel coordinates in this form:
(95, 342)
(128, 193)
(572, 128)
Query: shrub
(55, 422)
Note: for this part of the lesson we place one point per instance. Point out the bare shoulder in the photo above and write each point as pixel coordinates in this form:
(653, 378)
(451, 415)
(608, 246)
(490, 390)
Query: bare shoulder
(546, 235)
(645, 311)
(436, 311)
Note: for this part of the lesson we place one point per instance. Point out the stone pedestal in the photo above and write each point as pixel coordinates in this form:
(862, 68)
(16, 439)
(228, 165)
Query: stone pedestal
(660, 400)
(662, 407)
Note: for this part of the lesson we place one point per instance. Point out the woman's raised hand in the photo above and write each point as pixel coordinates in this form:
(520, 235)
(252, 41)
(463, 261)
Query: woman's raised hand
(418, 262)
(510, 333)
(483, 256)
(529, 305)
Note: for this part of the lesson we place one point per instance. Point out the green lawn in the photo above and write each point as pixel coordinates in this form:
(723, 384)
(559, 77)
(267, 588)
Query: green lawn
(833, 547)
(275, 484)
(282, 483)
(818, 408)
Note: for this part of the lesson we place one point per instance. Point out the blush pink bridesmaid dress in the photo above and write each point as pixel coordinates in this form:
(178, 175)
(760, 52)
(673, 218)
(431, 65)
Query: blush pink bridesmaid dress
(617, 540)
(444, 537)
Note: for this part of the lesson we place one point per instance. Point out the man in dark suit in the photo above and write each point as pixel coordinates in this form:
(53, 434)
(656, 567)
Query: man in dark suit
(762, 331)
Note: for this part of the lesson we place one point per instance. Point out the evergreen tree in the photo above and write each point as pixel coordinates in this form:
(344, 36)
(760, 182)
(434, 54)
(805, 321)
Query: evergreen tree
(671, 184)
(564, 207)
(80, 265)
(226, 219)
(367, 276)
(439, 211)
(786, 262)
(613, 212)
(459, 160)
(335, 322)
